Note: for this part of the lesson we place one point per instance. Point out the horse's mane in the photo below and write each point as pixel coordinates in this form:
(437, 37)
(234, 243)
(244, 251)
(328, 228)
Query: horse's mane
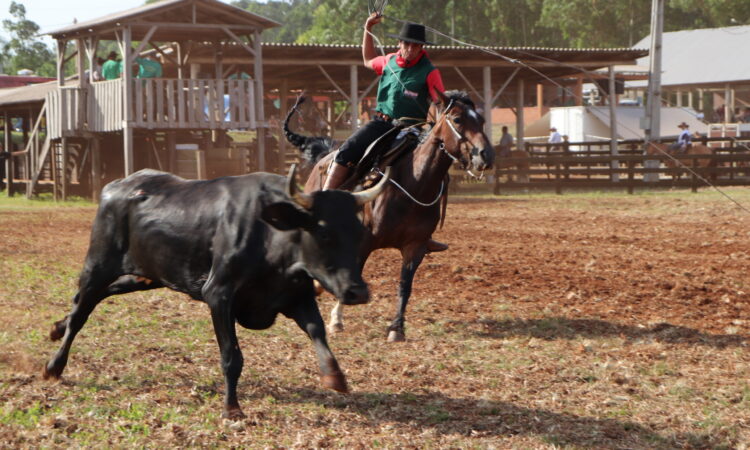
(461, 96)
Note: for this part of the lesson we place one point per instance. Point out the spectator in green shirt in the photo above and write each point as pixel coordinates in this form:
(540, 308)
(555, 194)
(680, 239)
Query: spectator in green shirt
(112, 68)
(148, 68)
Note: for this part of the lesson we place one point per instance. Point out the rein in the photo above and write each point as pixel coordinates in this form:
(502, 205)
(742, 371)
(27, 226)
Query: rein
(411, 197)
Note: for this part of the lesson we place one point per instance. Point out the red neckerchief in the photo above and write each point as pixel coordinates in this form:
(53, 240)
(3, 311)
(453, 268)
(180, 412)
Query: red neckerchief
(403, 63)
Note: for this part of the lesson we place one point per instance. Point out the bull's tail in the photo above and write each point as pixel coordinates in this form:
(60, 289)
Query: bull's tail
(295, 139)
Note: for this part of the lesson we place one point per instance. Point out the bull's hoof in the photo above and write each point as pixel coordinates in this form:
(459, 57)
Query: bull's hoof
(58, 330)
(336, 382)
(396, 336)
(232, 413)
(51, 373)
(336, 328)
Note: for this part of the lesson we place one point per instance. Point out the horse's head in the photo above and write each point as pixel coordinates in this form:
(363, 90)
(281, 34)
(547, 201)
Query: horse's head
(457, 122)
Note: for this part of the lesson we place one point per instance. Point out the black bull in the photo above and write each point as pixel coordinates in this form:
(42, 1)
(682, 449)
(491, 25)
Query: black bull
(249, 246)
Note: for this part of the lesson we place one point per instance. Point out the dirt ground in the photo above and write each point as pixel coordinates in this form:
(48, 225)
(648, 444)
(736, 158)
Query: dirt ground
(582, 320)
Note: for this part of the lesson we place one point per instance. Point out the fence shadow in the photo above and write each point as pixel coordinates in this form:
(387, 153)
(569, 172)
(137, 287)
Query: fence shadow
(438, 414)
(564, 328)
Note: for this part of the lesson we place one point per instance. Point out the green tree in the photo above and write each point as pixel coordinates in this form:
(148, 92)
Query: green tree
(24, 50)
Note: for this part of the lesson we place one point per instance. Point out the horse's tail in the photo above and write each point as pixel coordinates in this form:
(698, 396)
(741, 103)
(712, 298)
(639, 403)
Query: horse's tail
(295, 139)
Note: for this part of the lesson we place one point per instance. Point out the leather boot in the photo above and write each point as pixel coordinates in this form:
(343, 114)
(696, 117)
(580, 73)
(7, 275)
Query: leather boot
(434, 246)
(336, 175)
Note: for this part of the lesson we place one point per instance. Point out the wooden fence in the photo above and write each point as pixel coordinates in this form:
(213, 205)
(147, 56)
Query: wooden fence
(66, 114)
(592, 166)
(185, 104)
(105, 106)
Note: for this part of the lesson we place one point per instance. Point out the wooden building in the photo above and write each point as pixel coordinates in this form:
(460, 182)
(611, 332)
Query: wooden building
(215, 73)
(121, 111)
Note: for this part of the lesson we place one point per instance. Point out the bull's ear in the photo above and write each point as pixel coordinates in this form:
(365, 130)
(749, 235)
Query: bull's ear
(285, 216)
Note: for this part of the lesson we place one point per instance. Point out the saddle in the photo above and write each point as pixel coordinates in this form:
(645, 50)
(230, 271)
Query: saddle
(384, 152)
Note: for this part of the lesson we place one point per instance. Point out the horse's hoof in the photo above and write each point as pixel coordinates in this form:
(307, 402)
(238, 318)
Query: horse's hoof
(396, 336)
(336, 382)
(336, 328)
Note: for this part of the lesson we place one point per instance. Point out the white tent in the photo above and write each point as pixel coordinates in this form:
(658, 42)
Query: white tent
(591, 123)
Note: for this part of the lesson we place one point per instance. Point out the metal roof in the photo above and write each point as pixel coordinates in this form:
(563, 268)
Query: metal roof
(297, 64)
(702, 57)
(185, 12)
(33, 93)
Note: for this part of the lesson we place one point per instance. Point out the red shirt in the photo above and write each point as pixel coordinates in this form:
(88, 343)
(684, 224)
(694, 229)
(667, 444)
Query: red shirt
(434, 80)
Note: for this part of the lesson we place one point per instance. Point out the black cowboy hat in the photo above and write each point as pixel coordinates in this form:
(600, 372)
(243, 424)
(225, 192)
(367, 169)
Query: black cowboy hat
(412, 32)
(683, 125)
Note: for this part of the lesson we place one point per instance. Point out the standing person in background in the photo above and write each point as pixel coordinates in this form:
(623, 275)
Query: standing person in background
(112, 68)
(554, 138)
(506, 143)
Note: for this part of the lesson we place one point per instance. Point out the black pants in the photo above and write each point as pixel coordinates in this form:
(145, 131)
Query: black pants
(354, 147)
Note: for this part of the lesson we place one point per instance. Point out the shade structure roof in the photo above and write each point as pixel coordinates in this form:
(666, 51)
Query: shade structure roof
(309, 66)
(711, 56)
(178, 20)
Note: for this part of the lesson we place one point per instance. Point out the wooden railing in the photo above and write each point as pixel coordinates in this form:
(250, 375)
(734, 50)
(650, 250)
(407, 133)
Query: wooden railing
(66, 114)
(105, 106)
(559, 171)
(180, 103)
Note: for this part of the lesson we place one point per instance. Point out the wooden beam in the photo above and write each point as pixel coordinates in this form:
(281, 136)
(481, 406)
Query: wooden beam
(145, 41)
(505, 85)
(162, 53)
(239, 41)
(338, 88)
(468, 83)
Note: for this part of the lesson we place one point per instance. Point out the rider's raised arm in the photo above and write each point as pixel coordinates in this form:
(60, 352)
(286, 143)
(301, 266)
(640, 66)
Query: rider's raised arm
(368, 48)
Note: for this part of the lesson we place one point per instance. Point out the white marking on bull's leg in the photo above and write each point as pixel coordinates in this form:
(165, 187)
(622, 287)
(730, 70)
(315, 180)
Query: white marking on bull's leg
(336, 325)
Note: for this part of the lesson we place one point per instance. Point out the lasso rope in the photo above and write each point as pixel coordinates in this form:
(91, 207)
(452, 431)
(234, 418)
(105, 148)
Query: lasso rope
(590, 78)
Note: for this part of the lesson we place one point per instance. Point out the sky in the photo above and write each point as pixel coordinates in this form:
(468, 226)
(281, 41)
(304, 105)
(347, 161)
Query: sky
(53, 14)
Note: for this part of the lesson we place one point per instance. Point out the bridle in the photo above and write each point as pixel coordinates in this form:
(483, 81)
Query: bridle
(460, 139)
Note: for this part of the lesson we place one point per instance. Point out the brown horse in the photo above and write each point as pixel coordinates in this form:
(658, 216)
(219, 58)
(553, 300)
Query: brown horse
(408, 211)
(522, 164)
(696, 149)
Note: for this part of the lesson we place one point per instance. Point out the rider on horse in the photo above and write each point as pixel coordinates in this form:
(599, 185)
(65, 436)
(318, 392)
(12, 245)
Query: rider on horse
(684, 140)
(408, 80)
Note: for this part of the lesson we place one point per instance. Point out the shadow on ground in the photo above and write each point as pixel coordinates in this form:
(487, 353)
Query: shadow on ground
(563, 328)
(442, 415)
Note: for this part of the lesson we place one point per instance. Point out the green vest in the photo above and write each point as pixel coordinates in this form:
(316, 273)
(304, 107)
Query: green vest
(410, 96)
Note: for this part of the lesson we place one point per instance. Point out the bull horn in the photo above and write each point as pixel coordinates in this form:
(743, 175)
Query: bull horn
(300, 198)
(370, 194)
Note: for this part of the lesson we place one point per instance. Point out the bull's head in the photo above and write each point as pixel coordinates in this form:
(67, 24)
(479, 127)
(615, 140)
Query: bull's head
(330, 237)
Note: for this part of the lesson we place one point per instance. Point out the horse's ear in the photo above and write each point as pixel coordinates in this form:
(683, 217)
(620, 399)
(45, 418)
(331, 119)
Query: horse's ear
(442, 98)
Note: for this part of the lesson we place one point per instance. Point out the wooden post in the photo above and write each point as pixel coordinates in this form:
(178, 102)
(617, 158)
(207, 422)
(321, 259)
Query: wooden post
(259, 112)
(172, 151)
(727, 106)
(540, 99)
(615, 165)
(283, 94)
(200, 161)
(127, 93)
(519, 115)
(487, 93)
(96, 168)
(64, 169)
(579, 91)
(8, 146)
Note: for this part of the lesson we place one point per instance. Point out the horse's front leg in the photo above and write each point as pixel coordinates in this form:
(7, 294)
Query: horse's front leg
(411, 259)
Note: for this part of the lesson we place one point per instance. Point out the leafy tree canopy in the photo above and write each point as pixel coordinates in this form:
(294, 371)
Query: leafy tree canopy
(24, 50)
